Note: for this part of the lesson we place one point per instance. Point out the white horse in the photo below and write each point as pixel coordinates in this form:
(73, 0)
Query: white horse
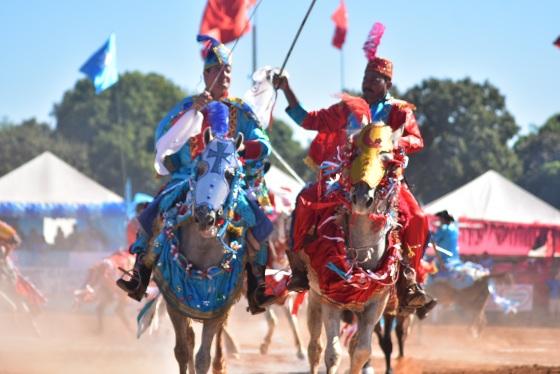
(366, 244)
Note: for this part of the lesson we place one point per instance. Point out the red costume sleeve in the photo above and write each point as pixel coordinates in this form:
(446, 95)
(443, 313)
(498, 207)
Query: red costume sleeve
(330, 119)
(403, 117)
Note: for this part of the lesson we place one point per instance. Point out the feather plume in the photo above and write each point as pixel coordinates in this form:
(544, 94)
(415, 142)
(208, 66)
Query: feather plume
(218, 115)
(373, 40)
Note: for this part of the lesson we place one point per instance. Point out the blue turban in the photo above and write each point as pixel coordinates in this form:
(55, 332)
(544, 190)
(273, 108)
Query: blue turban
(216, 52)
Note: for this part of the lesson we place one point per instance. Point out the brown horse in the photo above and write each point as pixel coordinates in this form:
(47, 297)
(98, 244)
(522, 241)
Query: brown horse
(472, 299)
(100, 288)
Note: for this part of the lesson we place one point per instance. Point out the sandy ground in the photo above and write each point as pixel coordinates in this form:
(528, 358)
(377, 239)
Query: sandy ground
(68, 344)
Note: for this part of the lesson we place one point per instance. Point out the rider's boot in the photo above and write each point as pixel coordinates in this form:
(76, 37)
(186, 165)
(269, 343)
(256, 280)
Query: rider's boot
(256, 289)
(298, 281)
(140, 275)
(412, 296)
(136, 286)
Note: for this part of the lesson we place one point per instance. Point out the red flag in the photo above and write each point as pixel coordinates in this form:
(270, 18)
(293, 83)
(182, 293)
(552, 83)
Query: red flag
(226, 20)
(557, 42)
(340, 19)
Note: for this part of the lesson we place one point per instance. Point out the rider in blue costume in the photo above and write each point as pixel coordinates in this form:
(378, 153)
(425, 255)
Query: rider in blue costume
(447, 236)
(453, 270)
(181, 165)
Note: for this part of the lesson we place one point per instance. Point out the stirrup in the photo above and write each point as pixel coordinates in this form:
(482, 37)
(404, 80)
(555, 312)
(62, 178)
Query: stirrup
(139, 292)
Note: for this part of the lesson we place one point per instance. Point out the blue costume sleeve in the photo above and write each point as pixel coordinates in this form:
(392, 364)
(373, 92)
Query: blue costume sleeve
(297, 113)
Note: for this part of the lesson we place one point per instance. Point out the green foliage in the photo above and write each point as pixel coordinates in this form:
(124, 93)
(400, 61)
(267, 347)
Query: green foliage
(281, 137)
(466, 127)
(117, 127)
(23, 142)
(540, 154)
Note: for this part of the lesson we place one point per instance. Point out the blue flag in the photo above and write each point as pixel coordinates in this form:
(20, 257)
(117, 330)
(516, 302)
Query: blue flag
(101, 67)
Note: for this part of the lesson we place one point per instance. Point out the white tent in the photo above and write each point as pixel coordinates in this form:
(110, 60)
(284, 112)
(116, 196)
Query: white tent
(491, 197)
(46, 179)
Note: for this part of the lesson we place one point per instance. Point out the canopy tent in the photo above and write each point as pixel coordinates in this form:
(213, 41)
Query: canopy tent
(499, 217)
(48, 186)
(47, 194)
(284, 188)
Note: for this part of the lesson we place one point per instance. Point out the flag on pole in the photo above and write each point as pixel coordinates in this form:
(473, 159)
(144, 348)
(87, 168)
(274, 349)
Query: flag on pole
(226, 20)
(101, 67)
(557, 42)
(340, 19)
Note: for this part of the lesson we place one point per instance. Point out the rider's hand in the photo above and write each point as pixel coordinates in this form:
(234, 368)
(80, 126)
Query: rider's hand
(280, 82)
(202, 100)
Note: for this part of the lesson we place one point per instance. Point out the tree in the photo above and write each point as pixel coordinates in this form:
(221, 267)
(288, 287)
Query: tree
(117, 127)
(539, 153)
(466, 127)
(20, 143)
(281, 137)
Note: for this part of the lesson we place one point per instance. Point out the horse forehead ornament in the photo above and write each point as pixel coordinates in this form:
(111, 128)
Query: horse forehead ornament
(371, 143)
(212, 187)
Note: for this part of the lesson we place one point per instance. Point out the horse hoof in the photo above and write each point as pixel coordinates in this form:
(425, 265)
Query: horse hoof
(264, 349)
(368, 370)
(300, 355)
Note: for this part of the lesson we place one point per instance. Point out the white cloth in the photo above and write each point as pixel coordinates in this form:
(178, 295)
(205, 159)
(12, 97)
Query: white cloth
(187, 126)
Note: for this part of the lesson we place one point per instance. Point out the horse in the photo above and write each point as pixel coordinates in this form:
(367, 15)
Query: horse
(100, 288)
(21, 296)
(472, 299)
(201, 252)
(278, 262)
(358, 234)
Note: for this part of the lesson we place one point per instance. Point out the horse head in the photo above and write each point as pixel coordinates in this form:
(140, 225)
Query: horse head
(373, 151)
(215, 173)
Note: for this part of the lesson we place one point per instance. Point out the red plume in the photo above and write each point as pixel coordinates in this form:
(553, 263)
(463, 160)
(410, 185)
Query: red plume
(373, 40)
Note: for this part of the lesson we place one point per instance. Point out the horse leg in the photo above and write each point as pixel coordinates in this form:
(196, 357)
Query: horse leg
(314, 324)
(209, 330)
(387, 343)
(479, 307)
(219, 362)
(100, 314)
(361, 346)
(190, 351)
(231, 346)
(120, 310)
(331, 320)
(271, 321)
(183, 342)
(295, 327)
(404, 323)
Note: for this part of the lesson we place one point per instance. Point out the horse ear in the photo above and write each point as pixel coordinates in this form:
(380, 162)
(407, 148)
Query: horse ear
(207, 135)
(266, 167)
(239, 141)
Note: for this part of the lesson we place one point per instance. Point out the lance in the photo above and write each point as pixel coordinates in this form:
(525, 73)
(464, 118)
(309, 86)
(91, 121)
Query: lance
(296, 37)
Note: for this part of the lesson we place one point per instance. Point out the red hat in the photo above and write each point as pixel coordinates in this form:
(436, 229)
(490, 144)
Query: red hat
(382, 66)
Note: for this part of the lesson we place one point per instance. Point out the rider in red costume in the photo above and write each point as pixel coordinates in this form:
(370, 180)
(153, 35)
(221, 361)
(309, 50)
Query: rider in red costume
(333, 125)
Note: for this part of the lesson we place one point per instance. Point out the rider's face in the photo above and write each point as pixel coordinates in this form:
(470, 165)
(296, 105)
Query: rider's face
(375, 86)
(222, 75)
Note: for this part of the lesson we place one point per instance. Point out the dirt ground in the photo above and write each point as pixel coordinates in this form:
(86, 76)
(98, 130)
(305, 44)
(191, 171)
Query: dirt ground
(68, 344)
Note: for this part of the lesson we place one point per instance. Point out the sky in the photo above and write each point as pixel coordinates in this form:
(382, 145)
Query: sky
(507, 42)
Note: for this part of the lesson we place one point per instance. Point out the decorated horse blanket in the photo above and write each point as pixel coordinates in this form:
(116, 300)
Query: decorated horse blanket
(202, 294)
(320, 237)
(459, 274)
